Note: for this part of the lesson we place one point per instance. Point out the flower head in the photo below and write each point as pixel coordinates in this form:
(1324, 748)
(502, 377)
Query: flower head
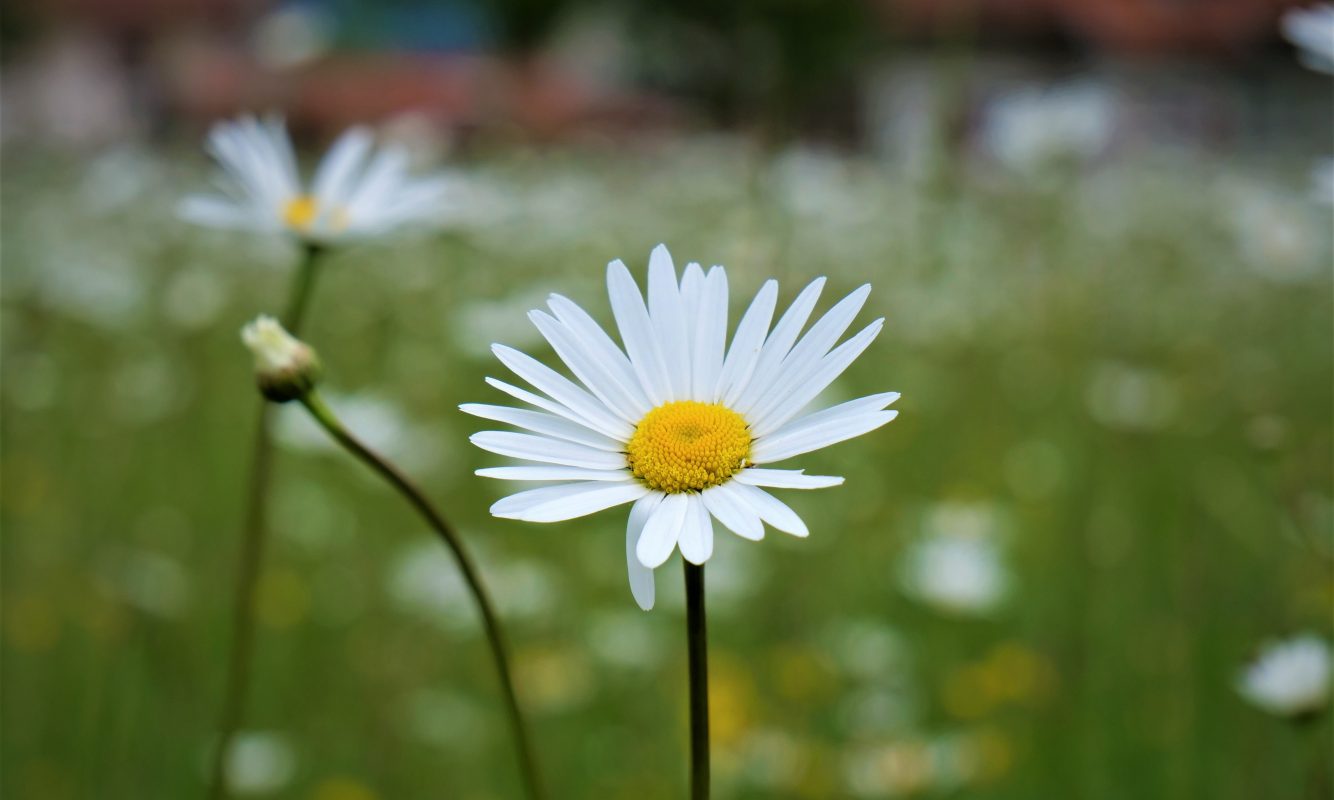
(285, 367)
(1312, 31)
(677, 422)
(355, 193)
(1290, 678)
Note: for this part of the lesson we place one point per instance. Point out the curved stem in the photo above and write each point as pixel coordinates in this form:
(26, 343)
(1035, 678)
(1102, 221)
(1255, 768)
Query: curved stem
(325, 417)
(697, 642)
(252, 545)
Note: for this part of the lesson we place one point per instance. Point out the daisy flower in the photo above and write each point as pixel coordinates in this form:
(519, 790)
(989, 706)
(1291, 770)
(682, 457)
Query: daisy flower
(1290, 678)
(356, 192)
(677, 423)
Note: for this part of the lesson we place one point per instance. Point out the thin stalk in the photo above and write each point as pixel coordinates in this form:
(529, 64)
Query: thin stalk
(490, 623)
(252, 544)
(698, 645)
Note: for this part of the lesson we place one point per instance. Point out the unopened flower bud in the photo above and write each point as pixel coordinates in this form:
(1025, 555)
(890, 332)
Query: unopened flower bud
(286, 368)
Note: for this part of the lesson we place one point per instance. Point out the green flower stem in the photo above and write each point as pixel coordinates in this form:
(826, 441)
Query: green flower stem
(252, 544)
(325, 417)
(697, 642)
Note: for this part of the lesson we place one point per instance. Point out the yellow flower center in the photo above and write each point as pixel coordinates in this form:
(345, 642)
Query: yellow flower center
(686, 446)
(300, 212)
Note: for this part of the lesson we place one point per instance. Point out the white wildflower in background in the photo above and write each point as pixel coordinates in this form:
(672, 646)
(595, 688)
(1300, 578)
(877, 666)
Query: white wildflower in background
(1280, 236)
(1290, 678)
(1032, 128)
(677, 423)
(291, 36)
(356, 192)
(1312, 31)
(260, 762)
(957, 573)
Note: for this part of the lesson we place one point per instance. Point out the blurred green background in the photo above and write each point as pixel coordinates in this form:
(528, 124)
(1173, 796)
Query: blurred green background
(1115, 361)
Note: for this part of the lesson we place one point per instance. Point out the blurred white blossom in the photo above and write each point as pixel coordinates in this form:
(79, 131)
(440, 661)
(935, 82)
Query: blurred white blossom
(957, 566)
(260, 762)
(357, 191)
(1279, 236)
(955, 573)
(1290, 678)
(290, 36)
(1031, 128)
(1312, 31)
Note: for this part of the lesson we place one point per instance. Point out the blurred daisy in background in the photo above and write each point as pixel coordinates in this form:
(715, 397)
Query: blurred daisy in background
(357, 192)
(1289, 678)
(677, 423)
(260, 762)
(1030, 129)
(1312, 31)
(957, 566)
(957, 573)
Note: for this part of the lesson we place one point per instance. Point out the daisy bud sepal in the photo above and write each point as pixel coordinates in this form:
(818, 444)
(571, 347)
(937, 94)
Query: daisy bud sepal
(286, 368)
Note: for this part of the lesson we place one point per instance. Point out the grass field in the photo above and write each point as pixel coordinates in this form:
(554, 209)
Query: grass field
(1119, 378)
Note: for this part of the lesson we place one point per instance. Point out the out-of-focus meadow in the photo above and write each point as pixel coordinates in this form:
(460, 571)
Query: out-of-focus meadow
(1109, 484)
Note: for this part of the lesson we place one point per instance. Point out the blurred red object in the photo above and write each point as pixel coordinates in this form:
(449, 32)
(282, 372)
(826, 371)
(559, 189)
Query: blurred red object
(454, 92)
(1135, 26)
(1161, 26)
(137, 17)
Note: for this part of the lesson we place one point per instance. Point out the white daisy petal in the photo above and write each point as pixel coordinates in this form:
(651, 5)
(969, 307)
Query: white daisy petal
(786, 479)
(859, 407)
(383, 174)
(732, 510)
(662, 531)
(601, 347)
(554, 473)
(805, 358)
(541, 402)
(641, 340)
(547, 451)
(596, 375)
(544, 423)
(334, 176)
(285, 155)
(709, 334)
(668, 314)
(747, 343)
(831, 366)
(692, 290)
(566, 501)
(641, 577)
(696, 531)
(778, 447)
(776, 346)
(771, 510)
(217, 212)
(563, 391)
